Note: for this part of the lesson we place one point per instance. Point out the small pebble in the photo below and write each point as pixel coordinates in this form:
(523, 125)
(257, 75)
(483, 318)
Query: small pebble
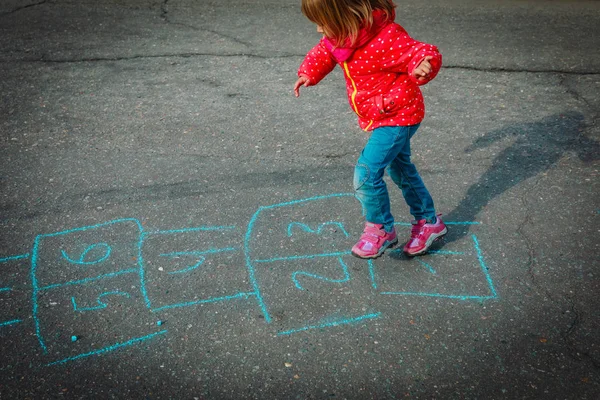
(73, 338)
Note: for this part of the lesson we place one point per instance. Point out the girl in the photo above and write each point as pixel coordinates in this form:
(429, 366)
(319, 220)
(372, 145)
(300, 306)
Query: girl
(383, 67)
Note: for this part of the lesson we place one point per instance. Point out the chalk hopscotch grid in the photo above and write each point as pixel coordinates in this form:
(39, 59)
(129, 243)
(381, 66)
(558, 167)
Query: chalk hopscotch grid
(252, 273)
(247, 250)
(250, 265)
(36, 289)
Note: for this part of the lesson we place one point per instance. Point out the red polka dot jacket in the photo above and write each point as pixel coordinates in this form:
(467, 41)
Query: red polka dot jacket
(378, 71)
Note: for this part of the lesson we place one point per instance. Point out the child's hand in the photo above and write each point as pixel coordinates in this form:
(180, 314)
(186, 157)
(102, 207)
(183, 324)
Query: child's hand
(422, 71)
(302, 81)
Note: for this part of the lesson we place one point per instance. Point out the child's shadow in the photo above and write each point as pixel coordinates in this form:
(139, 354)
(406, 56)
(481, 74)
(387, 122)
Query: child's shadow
(537, 147)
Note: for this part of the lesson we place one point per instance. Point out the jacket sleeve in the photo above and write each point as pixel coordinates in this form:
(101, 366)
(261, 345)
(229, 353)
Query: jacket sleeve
(405, 54)
(317, 64)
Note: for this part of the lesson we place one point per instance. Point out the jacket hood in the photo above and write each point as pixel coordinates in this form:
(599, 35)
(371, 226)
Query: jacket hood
(343, 52)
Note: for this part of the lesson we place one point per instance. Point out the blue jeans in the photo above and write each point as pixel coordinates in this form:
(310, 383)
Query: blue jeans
(389, 147)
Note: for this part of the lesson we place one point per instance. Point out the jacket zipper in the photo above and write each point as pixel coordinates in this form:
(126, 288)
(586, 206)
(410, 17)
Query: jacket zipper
(353, 96)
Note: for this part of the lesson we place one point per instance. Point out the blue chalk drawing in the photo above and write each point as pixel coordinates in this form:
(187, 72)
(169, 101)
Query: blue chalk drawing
(13, 258)
(82, 261)
(89, 280)
(298, 277)
(196, 229)
(101, 305)
(205, 301)
(143, 237)
(12, 322)
(445, 222)
(34, 294)
(346, 277)
(307, 257)
(439, 252)
(442, 296)
(36, 289)
(484, 268)
(101, 252)
(372, 273)
(493, 295)
(199, 254)
(331, 324)
(251, 262)
(445, 252)
(319, 230)
(200, 261)
(142, 270)
(429, 267)
(247, 250)
(108, 349)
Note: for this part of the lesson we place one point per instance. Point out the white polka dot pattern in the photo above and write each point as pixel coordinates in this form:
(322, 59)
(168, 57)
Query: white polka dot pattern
(381, 88)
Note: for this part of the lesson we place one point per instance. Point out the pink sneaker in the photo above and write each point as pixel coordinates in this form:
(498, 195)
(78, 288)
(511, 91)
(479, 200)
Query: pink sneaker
(374, 241)
(423, 235)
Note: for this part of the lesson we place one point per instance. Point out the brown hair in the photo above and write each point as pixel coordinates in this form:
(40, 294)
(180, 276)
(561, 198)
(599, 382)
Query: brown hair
(343, 19)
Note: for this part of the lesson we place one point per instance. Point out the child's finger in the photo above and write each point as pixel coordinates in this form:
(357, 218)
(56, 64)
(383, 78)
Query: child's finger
(297, 85)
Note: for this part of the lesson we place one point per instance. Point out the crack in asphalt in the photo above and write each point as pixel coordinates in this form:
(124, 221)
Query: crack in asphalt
(164, 10)
(531, 265)
(575, 94)
(232, 38)
(164, 14)
(141, 56)
(23, 7)
(570, 343)
(531, 255)
(521, 70)
(292, 55)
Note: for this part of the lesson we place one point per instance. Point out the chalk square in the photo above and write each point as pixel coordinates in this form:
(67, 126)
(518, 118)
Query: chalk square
(460, 273)
(86, 253)
(302, 293)
(186, 266)
(299, 262)
(99, 314)
(313, 227)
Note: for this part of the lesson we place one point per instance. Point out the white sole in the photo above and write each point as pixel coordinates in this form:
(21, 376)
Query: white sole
(381, 251)
(429, 242)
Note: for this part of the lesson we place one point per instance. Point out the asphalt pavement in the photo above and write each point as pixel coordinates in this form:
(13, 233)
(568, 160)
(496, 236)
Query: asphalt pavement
(175, 224)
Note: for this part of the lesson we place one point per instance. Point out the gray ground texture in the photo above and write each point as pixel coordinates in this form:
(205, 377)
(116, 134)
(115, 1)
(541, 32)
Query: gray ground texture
(176, 224)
